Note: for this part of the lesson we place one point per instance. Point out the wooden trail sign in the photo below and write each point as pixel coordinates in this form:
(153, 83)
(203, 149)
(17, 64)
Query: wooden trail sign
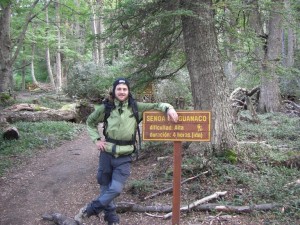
(191, 126)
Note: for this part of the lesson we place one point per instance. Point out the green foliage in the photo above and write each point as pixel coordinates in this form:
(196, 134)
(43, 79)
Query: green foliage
(272, 184)
(34, 136)
(179, 86)
(279, 130)
(90, 81)
(6, 99)
(230, 156)
(141, 187)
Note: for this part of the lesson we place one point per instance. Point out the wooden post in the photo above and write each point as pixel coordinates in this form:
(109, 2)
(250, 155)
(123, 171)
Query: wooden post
(176, 183)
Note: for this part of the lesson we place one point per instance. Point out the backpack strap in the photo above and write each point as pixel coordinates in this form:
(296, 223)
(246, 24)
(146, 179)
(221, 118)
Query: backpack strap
(109, 106)
(138, 120)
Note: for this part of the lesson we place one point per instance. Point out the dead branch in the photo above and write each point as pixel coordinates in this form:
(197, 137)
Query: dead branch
(296, 107)
(241, 98)
(253, 91)
(296, 183)
(132, 207)
(167, 190)
(237, 209)
(194, 204)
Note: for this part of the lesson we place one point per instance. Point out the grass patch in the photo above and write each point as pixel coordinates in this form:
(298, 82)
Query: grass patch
(34, 136)
(278, 130)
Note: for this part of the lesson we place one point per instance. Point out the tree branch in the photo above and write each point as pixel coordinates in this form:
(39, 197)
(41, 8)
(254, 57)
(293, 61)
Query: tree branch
(194, 204)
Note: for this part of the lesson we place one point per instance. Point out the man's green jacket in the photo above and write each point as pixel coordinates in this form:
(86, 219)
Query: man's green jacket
(121, 124)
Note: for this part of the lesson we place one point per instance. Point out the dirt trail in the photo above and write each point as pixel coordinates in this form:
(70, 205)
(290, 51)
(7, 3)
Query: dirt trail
(60, 180)
(57, 180)
(63, 180)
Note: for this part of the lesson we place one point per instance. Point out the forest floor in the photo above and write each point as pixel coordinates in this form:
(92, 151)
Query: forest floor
(63, 180)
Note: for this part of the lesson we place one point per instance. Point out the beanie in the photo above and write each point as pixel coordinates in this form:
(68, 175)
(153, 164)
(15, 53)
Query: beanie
(120, 81)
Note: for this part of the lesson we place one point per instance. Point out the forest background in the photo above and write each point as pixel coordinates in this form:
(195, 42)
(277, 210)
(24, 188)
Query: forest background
(198, 50)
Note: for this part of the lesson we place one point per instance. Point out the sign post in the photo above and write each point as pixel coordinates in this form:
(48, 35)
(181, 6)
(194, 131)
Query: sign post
(191, 126)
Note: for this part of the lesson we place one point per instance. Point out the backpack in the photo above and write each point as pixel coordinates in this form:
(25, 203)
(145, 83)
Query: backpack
(109, 106)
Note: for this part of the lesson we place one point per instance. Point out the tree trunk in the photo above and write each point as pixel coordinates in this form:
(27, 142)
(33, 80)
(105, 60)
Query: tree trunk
(208, 82)
(48, 58)
(95, 33)
(255, 23)
(269, 100)
(229, 65)
(23, 72)
(97, 27)
(291, 36)
(58, 53)
(7, 57)
(100, 28)
(34, 81)
(5, 47)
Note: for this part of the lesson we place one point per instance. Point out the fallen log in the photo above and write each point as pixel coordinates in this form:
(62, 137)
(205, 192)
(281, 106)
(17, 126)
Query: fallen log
(9, 132)
(76, 112)
(25, 107)
(132, 207)
(48, 115)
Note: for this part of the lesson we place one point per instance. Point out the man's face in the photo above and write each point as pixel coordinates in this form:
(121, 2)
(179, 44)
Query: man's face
(121, 92)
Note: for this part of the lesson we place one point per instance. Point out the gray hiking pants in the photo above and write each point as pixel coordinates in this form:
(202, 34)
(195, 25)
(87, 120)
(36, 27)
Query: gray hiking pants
(112, 175)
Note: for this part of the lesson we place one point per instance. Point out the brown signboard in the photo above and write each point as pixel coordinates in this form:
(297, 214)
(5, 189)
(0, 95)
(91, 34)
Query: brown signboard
(191, 126)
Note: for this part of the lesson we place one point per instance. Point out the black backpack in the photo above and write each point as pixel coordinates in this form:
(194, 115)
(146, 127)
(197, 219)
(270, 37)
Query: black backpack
(109, 106)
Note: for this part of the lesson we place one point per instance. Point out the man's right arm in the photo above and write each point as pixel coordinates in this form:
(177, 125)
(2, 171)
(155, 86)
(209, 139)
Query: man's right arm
(93, 121)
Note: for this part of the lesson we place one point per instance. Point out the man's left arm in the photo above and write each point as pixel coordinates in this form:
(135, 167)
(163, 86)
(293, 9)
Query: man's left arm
(164, 107)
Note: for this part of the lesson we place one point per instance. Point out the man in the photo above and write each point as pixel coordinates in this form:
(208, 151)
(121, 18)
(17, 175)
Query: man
(117, 147)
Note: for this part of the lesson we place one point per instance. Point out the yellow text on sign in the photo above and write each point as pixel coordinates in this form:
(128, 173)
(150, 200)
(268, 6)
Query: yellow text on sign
(191, 126)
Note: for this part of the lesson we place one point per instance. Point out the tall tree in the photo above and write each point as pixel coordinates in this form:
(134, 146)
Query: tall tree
(97, 28)
(48, 58)
(157, 39)
(58, 51)
(291, 39)
(34, 81)
(9, 50)
(5, 47)
(208, 82)
(270, 93)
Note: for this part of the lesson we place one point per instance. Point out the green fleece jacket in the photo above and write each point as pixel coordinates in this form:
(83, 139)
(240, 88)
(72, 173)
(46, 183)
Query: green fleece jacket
(120, 126)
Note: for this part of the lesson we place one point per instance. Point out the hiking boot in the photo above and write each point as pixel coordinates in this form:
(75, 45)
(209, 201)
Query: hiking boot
(111, 218)
(82, 215)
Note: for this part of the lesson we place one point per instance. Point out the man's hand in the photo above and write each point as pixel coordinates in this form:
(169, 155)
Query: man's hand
(172, 115)
(101, 145)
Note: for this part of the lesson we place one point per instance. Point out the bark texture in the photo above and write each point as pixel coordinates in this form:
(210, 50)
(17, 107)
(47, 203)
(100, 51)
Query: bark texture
(5, 46)
(270, 94)
(208, 81)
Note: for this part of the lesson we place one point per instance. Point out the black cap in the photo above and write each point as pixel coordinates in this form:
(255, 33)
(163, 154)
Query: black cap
(120, 81)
